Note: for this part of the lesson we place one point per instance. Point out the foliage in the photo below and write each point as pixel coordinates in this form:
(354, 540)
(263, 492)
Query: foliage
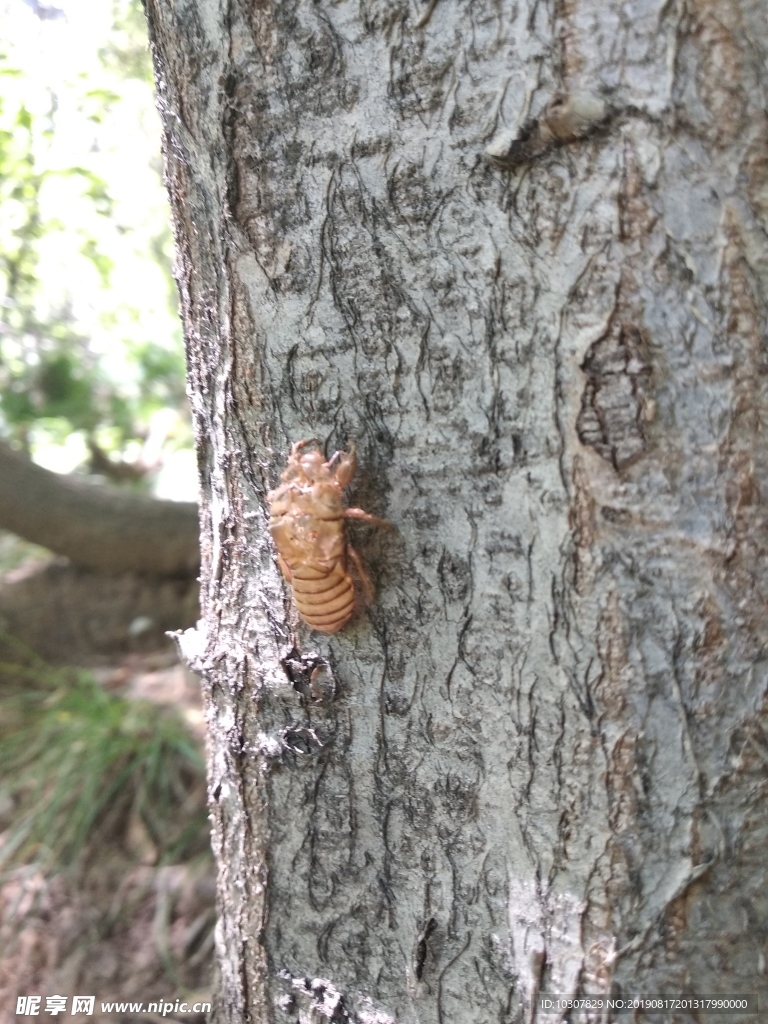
(89, 334)
(77, 761)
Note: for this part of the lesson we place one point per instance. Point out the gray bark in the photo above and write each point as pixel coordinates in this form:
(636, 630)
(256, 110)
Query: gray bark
(537, 763)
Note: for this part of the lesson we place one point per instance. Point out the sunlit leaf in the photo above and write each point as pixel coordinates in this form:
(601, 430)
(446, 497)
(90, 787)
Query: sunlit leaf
(84, 340)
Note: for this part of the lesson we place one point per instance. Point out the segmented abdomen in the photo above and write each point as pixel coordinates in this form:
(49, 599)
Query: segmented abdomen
(325, 597)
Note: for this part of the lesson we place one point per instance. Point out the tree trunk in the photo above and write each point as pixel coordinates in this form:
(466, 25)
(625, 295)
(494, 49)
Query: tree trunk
(537, 762)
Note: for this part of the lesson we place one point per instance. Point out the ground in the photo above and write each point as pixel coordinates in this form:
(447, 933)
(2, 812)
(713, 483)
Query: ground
(119, 924)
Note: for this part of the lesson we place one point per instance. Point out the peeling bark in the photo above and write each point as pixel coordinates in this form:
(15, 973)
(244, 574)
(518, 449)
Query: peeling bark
(536, 763)
(614, 405)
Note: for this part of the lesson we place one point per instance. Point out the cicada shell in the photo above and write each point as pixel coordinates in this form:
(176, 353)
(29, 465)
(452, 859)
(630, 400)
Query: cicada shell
(307, 524)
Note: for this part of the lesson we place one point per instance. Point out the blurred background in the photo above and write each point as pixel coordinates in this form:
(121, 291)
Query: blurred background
(106, 879)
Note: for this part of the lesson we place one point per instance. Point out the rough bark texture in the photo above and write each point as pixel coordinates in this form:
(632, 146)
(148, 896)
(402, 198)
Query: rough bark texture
(537, 763)
(100, 528)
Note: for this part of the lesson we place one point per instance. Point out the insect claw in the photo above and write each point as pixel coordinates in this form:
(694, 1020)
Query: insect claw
(344, 457)
(298, 445)
(347, 466)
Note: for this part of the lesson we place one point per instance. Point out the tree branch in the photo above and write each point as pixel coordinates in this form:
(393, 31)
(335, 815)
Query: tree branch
(97, 527)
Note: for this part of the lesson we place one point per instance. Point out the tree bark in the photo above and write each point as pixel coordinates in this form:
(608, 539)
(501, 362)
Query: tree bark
(99, 528)
(537, 762)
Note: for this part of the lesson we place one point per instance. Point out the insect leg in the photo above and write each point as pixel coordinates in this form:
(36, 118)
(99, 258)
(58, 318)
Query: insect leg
(358, 513)
(285, 568)
(365, 579)
(347, 465)
(298, 445)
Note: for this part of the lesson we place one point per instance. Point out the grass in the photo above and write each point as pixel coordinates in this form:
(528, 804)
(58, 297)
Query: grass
(78, 764)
